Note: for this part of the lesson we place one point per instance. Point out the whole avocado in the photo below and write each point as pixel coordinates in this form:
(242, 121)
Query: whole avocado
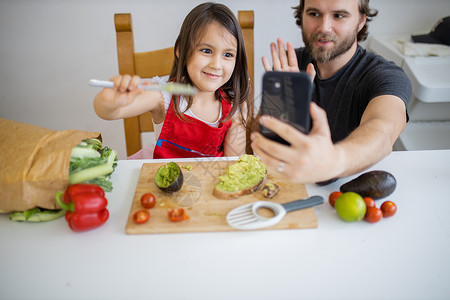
(374, 184)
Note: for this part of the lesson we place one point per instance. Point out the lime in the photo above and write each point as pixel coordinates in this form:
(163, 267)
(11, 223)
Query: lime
(350, 207)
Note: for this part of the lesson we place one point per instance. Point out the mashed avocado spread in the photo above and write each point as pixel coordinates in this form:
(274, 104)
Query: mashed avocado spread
(166, 175)
(247, 172)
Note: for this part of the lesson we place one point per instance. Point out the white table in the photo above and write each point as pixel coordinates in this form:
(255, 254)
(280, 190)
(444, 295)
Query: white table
(404, 257)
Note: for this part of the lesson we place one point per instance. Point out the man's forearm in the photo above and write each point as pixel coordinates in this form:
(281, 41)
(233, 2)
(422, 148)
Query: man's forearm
(381, 125)
(364, 147)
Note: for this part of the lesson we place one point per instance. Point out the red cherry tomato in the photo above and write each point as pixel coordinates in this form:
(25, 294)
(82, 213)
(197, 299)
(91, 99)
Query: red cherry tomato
(369, 202)
(148, 200)
(141, 216)
(373, 215)
(388, 208)
(333, 196)
(177, 215)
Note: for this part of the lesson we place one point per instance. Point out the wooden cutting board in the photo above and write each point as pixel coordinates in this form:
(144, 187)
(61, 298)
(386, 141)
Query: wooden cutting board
(206, 212)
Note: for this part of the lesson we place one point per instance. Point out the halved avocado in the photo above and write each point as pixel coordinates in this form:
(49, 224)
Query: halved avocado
(169, 178)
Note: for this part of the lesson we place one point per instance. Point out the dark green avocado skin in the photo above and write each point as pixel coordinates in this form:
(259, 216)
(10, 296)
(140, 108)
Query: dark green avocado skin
(175, 186)
(374, 184)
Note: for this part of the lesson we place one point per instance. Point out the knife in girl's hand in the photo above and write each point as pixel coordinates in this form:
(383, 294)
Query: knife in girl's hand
(171, 88)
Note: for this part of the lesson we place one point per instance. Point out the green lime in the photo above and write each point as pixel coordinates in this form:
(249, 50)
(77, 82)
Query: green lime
(350, 207)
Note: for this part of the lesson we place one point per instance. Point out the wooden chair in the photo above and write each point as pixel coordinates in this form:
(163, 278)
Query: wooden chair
(159, 63)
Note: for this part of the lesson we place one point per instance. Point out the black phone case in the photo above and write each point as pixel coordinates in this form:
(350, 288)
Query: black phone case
(286, 96)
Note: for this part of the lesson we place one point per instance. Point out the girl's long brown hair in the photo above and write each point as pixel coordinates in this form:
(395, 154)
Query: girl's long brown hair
(237, 88)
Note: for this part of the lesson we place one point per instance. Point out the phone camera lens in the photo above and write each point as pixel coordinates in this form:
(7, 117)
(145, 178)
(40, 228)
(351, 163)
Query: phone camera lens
(273, 86)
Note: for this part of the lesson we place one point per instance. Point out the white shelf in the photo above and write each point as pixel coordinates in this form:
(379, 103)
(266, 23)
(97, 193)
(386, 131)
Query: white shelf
(430, 80)
(430, 76)
(425, 136)
(384, 46)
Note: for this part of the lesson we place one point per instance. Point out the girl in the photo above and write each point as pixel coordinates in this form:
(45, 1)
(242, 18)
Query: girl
(210, 55)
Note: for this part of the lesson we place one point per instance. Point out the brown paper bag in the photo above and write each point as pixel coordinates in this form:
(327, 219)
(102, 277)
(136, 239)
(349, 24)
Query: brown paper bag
(34, 164)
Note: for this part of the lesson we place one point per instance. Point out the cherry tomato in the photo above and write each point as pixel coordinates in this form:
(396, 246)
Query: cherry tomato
(333, 196)
(388, 208)
(369, 202)
(141, 216)
(177, 215)
(373, 215)
(148, 200)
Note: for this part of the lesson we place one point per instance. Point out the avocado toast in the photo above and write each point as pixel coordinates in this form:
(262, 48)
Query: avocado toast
(241, 178)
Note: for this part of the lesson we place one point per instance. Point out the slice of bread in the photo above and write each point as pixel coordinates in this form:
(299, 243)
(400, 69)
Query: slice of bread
(244, 177)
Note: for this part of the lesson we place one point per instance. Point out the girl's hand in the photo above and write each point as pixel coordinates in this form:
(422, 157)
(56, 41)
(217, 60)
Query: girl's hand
(123, 93)
(125, 99)
(125, 83)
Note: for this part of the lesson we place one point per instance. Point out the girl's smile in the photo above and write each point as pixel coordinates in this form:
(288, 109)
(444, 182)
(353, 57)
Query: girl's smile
(211, 76)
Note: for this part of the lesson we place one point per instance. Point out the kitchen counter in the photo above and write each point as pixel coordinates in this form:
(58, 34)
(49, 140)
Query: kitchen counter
(403, 257)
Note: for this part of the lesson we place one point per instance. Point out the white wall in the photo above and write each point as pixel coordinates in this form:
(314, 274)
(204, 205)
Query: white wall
(49, 49)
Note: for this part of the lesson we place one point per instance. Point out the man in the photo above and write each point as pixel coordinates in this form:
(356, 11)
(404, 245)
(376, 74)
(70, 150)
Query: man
(364, 96)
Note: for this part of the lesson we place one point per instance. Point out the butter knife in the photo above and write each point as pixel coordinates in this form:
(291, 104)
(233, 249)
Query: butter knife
(171, 88)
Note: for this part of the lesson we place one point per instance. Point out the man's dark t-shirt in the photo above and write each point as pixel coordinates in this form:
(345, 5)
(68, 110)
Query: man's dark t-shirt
(345, 95)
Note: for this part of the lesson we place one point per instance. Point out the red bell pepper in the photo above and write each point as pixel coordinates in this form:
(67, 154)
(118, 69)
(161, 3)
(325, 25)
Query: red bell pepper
(79, 188)
(83, 222)
(85, 206)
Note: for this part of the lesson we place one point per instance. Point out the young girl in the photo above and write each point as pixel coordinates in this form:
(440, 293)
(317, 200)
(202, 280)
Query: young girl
(210, 55)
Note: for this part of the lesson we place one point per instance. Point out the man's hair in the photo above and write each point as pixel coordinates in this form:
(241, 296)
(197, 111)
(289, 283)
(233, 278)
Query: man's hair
(364, 9)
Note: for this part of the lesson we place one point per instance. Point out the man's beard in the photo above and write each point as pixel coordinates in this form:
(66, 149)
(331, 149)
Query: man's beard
(321, 54)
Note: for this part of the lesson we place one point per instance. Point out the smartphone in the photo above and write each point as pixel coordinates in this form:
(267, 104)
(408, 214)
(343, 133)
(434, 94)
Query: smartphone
(286, 96)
